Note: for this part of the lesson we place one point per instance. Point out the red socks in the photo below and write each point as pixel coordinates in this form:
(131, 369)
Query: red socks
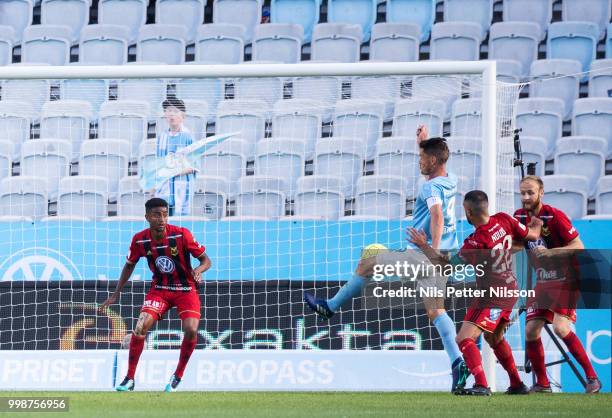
(575, 347)
(187, 347)
(535, 353)
(136, 346)
(473, 360)
(503, 352)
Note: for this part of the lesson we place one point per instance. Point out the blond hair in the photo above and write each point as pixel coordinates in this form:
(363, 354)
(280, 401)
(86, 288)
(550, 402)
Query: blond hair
(535, 179)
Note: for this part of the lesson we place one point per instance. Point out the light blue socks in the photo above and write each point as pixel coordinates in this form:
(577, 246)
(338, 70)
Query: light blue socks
(351, 289)
(447, 331)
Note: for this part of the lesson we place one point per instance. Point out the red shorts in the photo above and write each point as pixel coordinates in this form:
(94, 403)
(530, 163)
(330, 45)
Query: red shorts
(487, 319)
(549, 314)
(158, 302)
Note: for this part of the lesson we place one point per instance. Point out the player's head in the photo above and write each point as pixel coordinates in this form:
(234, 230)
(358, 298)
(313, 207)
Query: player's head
(476, 206)
(532, 190)
(156, 213)
(174, 111)
(433, 154)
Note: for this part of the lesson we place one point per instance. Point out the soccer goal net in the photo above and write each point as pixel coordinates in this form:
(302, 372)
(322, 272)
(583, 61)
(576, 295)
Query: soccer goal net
(307, 165)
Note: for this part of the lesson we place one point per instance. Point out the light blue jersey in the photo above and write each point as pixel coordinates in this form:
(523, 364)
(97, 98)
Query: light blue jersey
(439, 190)
(178, 191)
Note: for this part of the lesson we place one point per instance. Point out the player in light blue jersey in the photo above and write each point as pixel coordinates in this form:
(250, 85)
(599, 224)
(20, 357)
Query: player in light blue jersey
(178, 191)
(434, 213)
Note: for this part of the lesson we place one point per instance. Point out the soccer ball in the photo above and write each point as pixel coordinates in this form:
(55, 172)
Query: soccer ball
(373, 250)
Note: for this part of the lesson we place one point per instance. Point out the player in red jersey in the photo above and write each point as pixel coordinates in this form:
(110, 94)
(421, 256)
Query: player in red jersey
(489, 247)
(168, 249)
(553, 256)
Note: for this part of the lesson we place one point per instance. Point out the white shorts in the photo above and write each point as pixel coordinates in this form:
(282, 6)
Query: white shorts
(417, 258)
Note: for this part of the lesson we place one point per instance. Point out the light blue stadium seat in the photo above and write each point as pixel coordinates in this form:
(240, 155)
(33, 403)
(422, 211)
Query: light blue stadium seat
(49, 44)
(409, 114)
(187, 13)
(243, 12)
(149, 90)
(336, 42)
(124, 119)
(466, 119)
(535, 150)
(509, 71)
(516, 41)
(247, 116)
(600, 78)
(71, 13)
(104, 44)
(18, 15)
(359, 12)
(7, 151)
(269, 89)
(94, 91)
(385, 90)
(325, 90)
(7, 40)
(66, 119)
(455, 41)
(227, 160)
(319, 197)
(342, 157)
(477, 11)
(210, 90)
(299, 12)
(609, 41)
(446, 88)
(556, 78)
(24, 196)
(568, 193)
(34, 92)
(278, 42)
(465, 156)
(84, 197)
(299, 119)
(381, 196)
(161, 43)
(283, 158)
(583, 156)
(222, 43)
(15, 122)
(399, 156)
(596, 11)
(130, 197)
(210, 197)
(536, 11)
(419, 12)
(593, 117)
(603, 197)
(573, 40)
(261, 196)
(541, 117)
(47, 158)
(107, 158)
(358, 118)
(395, 42)
(130, 13)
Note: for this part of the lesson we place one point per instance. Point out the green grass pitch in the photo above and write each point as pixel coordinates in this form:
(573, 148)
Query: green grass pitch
(320, 404)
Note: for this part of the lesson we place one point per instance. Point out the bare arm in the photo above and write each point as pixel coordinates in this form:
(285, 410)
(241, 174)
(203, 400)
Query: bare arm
(572, 248)
(419, 239)
(205, 264)
(436, 225)
(534, 229)
(126, 273)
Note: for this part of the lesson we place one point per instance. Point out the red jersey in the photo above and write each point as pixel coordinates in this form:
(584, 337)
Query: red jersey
(168, 258)
(490, 246)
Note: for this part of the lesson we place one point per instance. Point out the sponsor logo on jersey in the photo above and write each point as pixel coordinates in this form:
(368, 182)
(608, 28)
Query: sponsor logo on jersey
(174, 251)
(165, 264)
(494, 314)
(543, 274)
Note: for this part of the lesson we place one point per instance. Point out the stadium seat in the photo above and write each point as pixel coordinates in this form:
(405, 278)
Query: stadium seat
(593, 117)
(196, 117)
(261, 196)
(33, 92)
(23, 196)
(189, 14)
(210, 195)
(509, 71)
(342, 157)
(227, 160)
(210, 90)
(476, 11)
(7, 39)
(243, 12)
(385, 90)
(325, 90)
(419, 12)
(278, 42)
(336, 42)
(93, 91)
(603, 197)
(282, 158)
(15, 121)
(130, 198)
(600, 78)
(361, 119)
(147, 151)
(465, 156)
(438, 87)
(556, 78)
(17, 14)
(71, 13)
(221, 43)
(395, 42)
(161, 43)
(47, 158)
(268, 89)
(595, 11)
(130, 13)
(298, 119)
(381, 196)
(573, 40)
(6, 158)
(409, 114)
(541, 117)
(536, 11)
(455, 41)
(300, 12)
(48, 44)
(106, 158)
(106, 44)
(584, 156)
(516, 41)
(399, 156)
(609, 41)
(466, 119)
(124, 119)
(149, 90)
(535, 150)
(83, 197)
(66, 119)
(319, 197)
(247, 116)
(568, 193)
(359, 12)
